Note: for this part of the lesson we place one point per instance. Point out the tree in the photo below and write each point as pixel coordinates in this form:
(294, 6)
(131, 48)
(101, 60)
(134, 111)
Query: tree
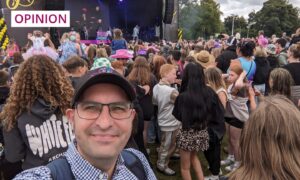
(200, 19)
(275, 17)
(240, 25)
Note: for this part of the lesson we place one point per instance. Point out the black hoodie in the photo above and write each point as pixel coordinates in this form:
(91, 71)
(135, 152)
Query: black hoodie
(39, 136)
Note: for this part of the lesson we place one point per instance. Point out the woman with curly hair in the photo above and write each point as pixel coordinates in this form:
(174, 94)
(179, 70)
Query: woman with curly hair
(35, 130)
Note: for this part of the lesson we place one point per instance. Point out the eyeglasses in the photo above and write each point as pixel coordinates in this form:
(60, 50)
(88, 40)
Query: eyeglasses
(92, 110)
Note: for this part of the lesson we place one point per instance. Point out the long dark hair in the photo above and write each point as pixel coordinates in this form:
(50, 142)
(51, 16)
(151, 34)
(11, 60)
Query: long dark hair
(199, 104)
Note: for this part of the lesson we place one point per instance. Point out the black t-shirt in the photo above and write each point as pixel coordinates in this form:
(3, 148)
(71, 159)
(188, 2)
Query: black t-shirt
(294, 69)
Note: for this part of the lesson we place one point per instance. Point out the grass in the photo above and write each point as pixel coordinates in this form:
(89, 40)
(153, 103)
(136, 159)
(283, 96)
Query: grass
(175, 164)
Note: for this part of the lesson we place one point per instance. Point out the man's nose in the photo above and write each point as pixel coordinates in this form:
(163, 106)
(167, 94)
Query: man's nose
(104, 121)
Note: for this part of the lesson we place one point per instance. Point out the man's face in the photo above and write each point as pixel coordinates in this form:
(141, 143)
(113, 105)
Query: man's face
(104, 137)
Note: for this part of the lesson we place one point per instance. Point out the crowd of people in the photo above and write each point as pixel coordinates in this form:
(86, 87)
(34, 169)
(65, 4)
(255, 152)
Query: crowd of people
(82, 111)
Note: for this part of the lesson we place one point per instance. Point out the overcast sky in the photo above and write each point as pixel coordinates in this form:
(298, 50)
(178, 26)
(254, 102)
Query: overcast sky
(244, 7)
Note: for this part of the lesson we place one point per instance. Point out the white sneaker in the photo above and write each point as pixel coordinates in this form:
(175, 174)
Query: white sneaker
(228, 160)
(232, 167)
(212, 177)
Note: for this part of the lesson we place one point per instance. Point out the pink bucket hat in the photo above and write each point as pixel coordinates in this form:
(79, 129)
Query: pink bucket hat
(122, 54)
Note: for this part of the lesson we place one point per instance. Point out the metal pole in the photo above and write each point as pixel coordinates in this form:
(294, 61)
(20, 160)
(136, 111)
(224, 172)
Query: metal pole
(232, 26)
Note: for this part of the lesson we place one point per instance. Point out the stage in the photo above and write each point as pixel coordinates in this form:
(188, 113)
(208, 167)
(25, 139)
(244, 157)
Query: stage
(94, 15)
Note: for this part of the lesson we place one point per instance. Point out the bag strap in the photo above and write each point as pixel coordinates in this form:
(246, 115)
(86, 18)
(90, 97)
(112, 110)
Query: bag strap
(134, 164)
(60, 169)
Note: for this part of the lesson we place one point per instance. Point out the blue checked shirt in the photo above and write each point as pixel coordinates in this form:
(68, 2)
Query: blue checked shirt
(83, 170)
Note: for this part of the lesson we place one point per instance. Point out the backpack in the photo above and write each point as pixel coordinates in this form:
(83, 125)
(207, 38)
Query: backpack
(60, 168)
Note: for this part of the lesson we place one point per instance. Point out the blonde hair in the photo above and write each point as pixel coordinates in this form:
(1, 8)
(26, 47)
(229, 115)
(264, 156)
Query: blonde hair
(165, 69)
(216, 52)
(118, 34)
(214, 78)
(270, 142)
(260, 52)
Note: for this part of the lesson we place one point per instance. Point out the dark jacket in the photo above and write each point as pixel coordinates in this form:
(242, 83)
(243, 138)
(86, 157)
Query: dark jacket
(294, 40)
(39, 136)
(262, 70)
(223, 61)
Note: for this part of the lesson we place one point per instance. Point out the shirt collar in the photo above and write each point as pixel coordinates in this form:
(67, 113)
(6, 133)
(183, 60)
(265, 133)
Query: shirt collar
(82, 169)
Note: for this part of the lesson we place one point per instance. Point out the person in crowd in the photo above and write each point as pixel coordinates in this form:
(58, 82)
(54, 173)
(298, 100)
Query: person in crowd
(67, 48)
(157, 62)
(282, 54)
(135, 34)
(262, 70)
(270, 142)
(118, 42)
(199, 110)
(296, 37)
(38, 47)
(143, 81)
(125, 57)
(273, 61)
(164, 97)
(216, 52)
(12, 47)
(261, 40)
(91, 54)
(17, 58)
(237, 112)
(281, 82)
(75, 67)
(102, 117)
(205, 59)
(293, 67)
(7, 170)
(35, 130)
(215, 81)
(271, 56)
(189, 59)
(118, 67)
(229, 53)
(176, 60)
(245, 52)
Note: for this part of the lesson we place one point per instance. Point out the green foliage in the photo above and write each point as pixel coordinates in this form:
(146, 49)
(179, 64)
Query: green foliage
(240, 25)
(200, 19)
(275, 17)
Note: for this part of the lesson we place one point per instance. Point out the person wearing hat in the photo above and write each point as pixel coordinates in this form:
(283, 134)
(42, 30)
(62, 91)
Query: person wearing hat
(205, 59)
(229, 53)
(102, 117)
(273, 61)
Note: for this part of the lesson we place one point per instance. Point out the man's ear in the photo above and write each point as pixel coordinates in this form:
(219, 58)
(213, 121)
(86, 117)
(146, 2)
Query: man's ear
(70, 113)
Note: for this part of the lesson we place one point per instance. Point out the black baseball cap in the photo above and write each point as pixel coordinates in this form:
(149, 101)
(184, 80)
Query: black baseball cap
(103, 75)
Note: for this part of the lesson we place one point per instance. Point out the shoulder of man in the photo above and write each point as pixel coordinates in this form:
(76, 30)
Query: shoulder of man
(38, 173)
(148, 170)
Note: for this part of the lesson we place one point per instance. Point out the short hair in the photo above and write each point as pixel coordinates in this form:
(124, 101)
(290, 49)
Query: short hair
(165, 69)
(4, 76)
(73, 63)
(260, 52)
(282, 42)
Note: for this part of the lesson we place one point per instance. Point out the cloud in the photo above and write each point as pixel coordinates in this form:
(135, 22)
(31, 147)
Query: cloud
(244, 7)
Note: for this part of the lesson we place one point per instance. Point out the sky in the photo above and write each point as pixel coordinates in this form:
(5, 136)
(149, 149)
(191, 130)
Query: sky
(244, 7)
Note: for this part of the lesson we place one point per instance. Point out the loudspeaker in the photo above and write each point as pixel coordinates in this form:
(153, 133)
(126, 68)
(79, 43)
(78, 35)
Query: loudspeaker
(55, 5)
(169, 11)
